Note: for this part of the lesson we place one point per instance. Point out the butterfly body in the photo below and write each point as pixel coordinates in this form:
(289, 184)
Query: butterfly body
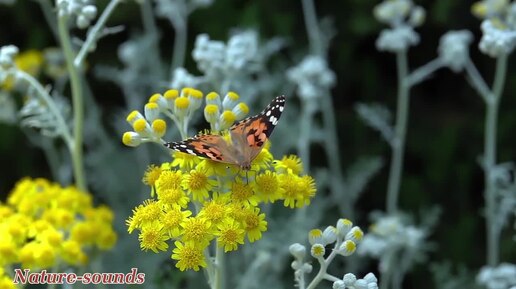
(248, 137)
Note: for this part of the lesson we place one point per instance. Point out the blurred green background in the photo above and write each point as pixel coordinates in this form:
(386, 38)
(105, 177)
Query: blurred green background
(445, 132)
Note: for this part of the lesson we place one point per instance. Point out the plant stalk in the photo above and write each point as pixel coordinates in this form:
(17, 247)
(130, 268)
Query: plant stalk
(77, 101)
(400, 129)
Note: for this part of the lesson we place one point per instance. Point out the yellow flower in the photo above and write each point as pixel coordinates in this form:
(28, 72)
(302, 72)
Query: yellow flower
(8, 250)
(169, 180)
(243, 193)
(267, 188)
(197, 230)
(254, 223)
(151, 175)
(153, 237)
(215, 210)
(198, 183)
(106, 238)
(188, 256)
(144, 214)
(298, 190)
(291, 162)
(173, 219)
(262, 161)
(72, 253)
(170, 197)
(184, 161)
(230, 234)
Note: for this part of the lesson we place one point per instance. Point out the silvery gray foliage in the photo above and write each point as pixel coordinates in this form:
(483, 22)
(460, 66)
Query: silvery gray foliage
(495, 40)
(312, 76)
(454, 49)
(182, 78)
(84, 11)
(241, 54)
(36, 114)
(502, 276)
(265, 259)
(397, 39)
(8, 108)
(179, 8)
(396, 243)
(378, 117)
(505, 186)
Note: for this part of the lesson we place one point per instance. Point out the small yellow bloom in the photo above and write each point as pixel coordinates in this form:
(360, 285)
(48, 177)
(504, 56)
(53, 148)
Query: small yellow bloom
(153, 237)
(198, 183)
(291, 162)
(151, 175)
(188, 256)
(243, 193)
(254, 223)
(173, 219)
(169, 179)
(185, 161)
(171, 197)
(267, 188)
(72, 253)
(215, 210)
(197, 230)
(159, 127)
(230, 234)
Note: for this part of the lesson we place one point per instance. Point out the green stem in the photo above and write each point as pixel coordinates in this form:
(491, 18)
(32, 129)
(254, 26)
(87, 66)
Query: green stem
(492, 103)
(78, 105)
(93, 34)
(400, 129)
(220, 271)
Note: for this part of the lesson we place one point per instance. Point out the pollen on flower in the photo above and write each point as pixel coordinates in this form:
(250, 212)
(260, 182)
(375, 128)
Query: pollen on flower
(230, 235)
(254, 223)
(170, 197)
(347, 248)
(133, 116)
(151, 175)
(242, 193)
(140, 125)
(211, 113)
(317, 250)
(154, 238)
(154, 98)
(213, 98)
(182, 103)
(198, 184)
(197, 230)
(291, 162)
(188, 256)
(267, 186)
(171, 94)
(227, 118)
(159, 127)
(169, 180)
(173, 219)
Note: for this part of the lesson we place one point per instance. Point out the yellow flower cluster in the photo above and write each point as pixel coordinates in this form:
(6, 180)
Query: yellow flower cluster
(199, 201)
(43, 225)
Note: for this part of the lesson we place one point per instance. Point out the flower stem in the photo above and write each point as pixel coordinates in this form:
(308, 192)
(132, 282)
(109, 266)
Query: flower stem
(492, 105)
(78, 105)
(178, 56)
(400, 129)
(312, 27)
(94, 33)
(219, 268)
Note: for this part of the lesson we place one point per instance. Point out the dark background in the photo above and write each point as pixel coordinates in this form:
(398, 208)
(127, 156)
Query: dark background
(445, 128)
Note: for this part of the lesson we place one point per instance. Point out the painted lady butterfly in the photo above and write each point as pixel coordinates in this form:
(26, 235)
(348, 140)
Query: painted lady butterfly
(247, 138)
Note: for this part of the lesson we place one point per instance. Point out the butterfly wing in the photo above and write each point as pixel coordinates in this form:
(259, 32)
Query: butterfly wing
(213, 147)
(250, 134)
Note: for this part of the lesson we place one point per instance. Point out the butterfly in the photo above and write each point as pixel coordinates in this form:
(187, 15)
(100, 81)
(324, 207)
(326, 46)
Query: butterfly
(248, 137)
